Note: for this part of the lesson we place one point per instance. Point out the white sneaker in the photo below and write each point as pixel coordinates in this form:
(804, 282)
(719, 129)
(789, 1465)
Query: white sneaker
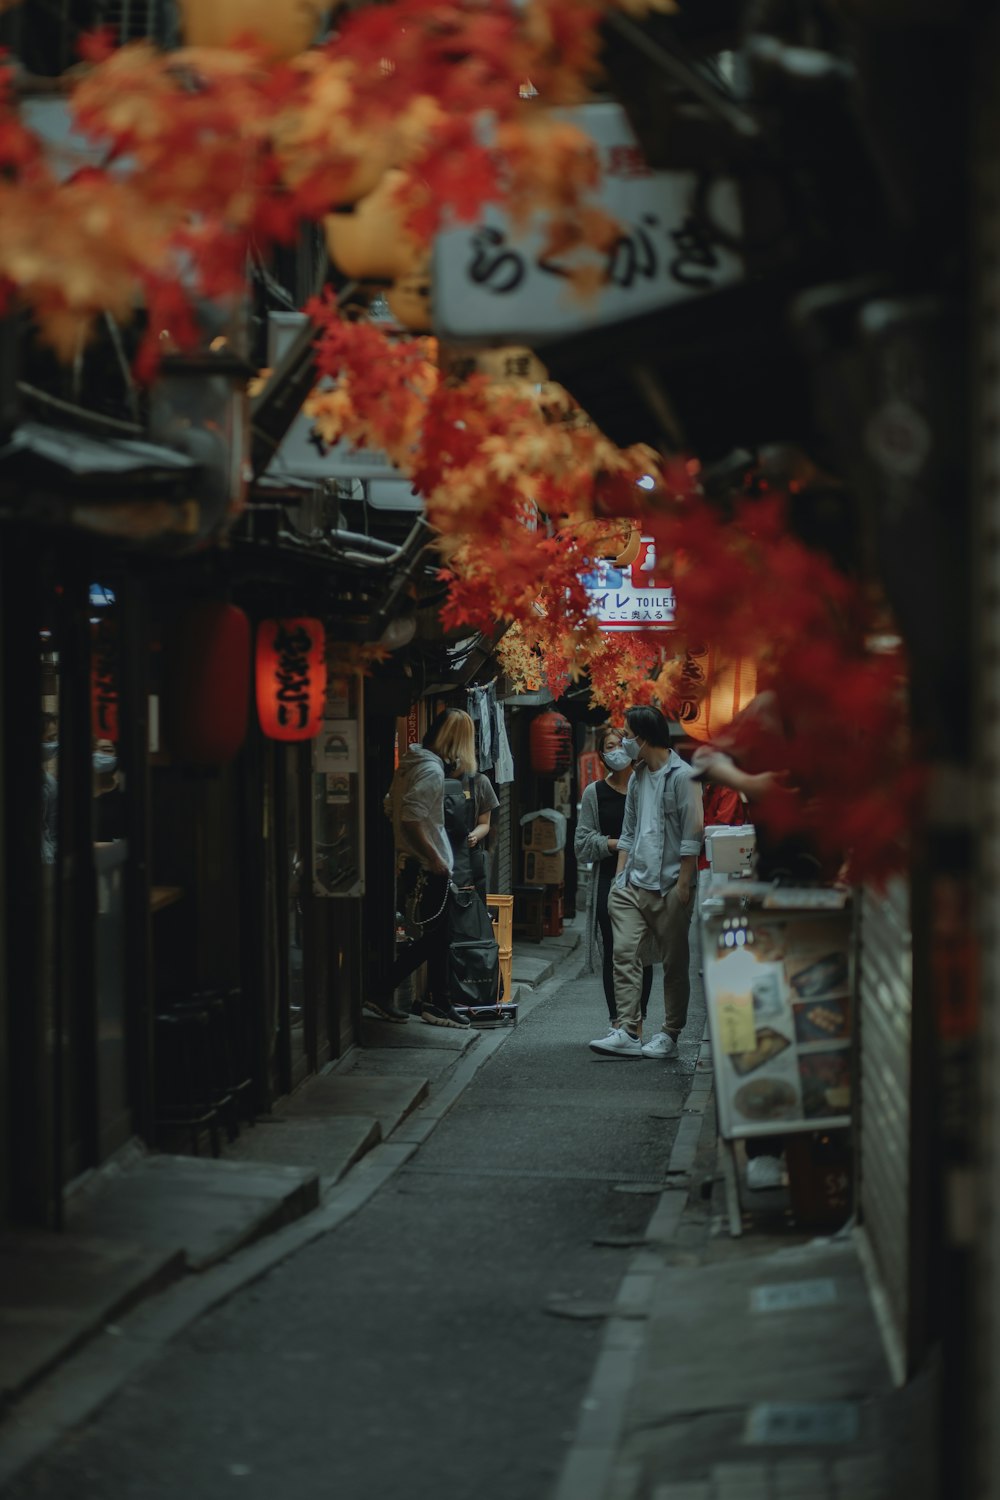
(660, 1045)
(765, 1172)
(617, 1043)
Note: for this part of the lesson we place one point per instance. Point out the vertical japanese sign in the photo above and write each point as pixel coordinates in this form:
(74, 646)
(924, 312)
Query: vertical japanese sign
(493, 281)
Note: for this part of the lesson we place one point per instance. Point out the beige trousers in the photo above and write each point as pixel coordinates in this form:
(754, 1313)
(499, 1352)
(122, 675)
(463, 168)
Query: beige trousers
(634, 912)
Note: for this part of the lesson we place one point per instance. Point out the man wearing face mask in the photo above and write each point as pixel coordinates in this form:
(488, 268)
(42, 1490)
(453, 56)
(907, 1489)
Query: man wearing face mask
(598, 829)
(655, 886)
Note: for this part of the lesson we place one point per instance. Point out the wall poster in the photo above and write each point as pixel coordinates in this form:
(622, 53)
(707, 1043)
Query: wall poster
(779, 998)
(337, 821)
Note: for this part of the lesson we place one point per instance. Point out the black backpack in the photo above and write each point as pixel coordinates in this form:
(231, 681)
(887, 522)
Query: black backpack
(473, 955)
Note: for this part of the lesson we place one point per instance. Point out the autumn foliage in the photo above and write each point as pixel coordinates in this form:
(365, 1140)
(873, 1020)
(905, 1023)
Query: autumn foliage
(199, 155)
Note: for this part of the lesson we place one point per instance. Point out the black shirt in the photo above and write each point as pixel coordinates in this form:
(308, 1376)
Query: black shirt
(611, 817)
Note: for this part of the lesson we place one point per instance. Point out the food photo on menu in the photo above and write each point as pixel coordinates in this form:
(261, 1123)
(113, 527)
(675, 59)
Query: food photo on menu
(827, 1020)
(826, 1083)
(816, 961)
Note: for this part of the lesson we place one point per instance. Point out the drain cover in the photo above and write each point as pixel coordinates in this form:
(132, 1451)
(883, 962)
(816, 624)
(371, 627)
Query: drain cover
(789, 1296)
(803, 1422)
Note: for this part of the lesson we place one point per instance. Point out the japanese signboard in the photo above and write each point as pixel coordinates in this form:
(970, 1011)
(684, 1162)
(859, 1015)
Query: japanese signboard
(338, 793)
(778, 991)
(492, 281)
(631, 598)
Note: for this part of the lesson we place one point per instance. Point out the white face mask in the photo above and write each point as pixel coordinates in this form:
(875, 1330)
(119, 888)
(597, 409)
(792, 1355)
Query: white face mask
(617, 759)
(631, 748)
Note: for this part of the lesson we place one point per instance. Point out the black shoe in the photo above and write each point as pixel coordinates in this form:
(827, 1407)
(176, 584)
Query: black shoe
(443, 1015)
(387, 1010)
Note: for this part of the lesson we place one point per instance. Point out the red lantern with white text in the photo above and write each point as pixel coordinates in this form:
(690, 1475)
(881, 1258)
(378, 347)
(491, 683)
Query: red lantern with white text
(291, 678)
(551, 744)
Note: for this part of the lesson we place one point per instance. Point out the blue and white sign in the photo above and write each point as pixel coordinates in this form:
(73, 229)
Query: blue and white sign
(629, 598)
(493, 281)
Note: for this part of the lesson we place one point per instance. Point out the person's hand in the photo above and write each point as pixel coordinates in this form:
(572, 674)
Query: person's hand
(612, 846)
(769, 784)
(683, 892)
(476, 837)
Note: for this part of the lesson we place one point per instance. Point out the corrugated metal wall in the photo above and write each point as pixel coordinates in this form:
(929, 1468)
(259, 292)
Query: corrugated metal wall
(885, 973)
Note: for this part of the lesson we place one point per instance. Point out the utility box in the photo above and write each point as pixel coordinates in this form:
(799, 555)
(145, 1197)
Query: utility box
(731, 849)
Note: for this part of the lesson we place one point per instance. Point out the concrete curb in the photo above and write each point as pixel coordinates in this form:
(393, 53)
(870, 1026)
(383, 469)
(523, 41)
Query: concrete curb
(589, 1469)
(87, 1380)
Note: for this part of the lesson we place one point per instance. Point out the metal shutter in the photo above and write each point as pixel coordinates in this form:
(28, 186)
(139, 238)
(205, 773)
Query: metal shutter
(885, 974)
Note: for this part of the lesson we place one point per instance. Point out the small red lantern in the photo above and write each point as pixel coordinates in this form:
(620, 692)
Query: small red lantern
(551, 743)
(291, 678)
(104, 681)
(208, 683)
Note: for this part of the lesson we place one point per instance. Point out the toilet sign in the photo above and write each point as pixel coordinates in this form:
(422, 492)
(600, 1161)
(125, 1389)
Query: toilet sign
(630, 598)
(494, 281)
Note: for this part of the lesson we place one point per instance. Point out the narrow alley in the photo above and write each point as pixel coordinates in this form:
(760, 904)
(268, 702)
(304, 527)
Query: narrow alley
(441, 1341)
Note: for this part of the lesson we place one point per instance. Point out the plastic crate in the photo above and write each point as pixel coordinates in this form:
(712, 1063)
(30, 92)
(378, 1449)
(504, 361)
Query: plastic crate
(501, 910)
(552, 912)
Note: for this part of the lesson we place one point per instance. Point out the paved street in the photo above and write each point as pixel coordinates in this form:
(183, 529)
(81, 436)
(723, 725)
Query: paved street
(440, 1342)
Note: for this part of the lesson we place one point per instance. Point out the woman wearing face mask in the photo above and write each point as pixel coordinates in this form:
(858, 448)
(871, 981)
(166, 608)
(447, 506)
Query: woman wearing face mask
(598, 830)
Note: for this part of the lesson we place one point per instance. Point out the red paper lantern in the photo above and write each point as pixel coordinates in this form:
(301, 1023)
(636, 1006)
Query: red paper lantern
(104, 681)
(208, 683)
(551, 744)
(291, 678)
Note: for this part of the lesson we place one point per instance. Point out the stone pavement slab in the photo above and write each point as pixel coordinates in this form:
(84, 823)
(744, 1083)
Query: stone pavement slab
(56, 1290)
(206, 1208)
(532, 971)
(329, 1146)
(754, 1386)
(398, 1062)
(359, 1095)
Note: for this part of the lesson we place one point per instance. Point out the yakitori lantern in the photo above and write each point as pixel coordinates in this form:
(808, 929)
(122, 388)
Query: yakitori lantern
(371, 242)
(291, 678)
(104, 681)
(282, 29)
(551, 744)
(207, 682)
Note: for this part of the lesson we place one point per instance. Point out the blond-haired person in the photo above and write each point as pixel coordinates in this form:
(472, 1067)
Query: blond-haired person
(452, 736)
(415, 803)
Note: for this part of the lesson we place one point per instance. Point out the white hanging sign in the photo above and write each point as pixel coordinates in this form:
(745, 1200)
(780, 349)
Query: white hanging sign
(493, 281)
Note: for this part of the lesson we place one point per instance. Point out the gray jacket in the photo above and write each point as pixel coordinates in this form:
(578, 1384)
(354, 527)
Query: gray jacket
(590, 846)
(417, 796)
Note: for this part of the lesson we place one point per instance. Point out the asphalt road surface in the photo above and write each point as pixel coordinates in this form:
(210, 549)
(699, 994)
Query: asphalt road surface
(439, 1343)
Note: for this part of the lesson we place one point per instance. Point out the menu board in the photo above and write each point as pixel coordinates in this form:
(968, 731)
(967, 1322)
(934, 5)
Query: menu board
(778, 991)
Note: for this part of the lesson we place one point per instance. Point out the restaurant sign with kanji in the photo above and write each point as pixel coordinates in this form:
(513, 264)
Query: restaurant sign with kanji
(492, 280)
